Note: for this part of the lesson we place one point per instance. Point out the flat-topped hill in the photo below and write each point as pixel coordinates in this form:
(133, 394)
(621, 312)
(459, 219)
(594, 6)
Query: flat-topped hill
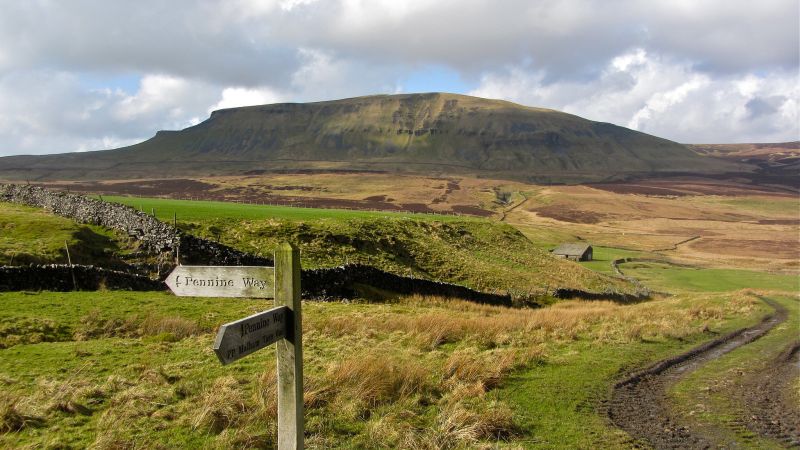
(411, 132)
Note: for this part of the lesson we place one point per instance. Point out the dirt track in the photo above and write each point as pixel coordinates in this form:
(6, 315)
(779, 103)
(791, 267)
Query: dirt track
(771, 409)
(639, 403)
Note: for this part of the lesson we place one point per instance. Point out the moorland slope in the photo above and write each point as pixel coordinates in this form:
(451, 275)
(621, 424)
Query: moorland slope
(434, 132)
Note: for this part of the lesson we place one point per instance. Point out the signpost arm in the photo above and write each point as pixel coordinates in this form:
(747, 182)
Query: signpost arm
(290, 349)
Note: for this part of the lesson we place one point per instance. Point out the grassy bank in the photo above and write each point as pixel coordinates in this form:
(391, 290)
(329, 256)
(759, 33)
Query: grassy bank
(32, 235)
(479, 254)
(111, 369)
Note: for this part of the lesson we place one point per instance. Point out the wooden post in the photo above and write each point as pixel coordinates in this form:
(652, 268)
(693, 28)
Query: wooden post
(71, 270)
(289, 350)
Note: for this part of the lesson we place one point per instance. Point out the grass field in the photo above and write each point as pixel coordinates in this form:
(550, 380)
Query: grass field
(118, 369)
(477, 253)
(602, 257)
(198, 210)
(123, 369)
(672, 278)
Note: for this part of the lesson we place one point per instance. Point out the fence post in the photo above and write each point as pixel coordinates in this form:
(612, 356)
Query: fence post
(290, 349)
(71, 269)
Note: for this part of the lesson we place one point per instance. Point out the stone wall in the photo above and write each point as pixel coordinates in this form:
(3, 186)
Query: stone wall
(565, 293)
(342, 282)
(155, 236)
(63, 277)
(333, 283)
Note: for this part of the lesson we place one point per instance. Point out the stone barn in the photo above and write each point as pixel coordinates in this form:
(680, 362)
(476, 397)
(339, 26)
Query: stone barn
(574, 252)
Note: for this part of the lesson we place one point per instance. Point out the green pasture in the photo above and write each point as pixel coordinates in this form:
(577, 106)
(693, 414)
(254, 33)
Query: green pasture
(33, 235)
(667, 277)
(198, 210)
(601, 261)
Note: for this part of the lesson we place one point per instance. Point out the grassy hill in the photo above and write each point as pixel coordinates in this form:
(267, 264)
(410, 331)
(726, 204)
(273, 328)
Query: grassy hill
(410, 132)
(478, 254)
(135, 369)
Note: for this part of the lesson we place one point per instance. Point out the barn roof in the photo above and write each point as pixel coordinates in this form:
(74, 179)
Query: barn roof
(571, 249)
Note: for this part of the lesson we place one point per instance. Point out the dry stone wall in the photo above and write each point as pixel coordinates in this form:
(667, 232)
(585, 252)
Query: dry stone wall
(155, 236)
(342, 282)
(63, 277)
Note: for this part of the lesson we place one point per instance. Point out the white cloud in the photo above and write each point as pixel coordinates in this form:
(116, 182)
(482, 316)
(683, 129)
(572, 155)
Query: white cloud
(50, 112)
(660, 102)
(233, 97)
(664, 97)
(288, 5)
(716, 70)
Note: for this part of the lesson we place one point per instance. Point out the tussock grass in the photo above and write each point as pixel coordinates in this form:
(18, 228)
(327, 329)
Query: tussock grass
(15, 414)
(462, 424)
(177, 327)
(491, 326)
(31, 330)
(221, 406)
(68, 395)
(377, 378)
(95, 326)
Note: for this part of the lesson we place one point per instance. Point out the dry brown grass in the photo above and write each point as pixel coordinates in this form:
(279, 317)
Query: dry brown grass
(457, 426)
(176, 326)
(482, 368)
(651, 223)
(376, 378)
(462, 424)
(221, 406)
(494, 326)
(15, 415)
(95, 326)
(129, 402)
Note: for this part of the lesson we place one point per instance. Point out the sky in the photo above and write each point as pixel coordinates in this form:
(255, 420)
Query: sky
(84, 75)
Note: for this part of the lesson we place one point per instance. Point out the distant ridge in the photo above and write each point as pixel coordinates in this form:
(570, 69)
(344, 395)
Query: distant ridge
(433, 132)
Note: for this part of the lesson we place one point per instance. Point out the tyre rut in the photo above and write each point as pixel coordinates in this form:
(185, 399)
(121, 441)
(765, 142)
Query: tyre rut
(639, 403)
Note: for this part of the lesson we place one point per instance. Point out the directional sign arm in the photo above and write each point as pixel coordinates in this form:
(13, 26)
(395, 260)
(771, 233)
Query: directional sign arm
(222, 281)
(242, 337)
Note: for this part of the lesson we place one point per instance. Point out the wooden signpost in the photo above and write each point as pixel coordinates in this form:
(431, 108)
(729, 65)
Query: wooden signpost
(281, 325)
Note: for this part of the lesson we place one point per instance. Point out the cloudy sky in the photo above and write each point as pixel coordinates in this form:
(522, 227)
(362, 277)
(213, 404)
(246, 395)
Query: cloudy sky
(80, 75)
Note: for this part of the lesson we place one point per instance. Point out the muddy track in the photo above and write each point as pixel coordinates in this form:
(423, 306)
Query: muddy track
(770, 409)
(639, 403)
